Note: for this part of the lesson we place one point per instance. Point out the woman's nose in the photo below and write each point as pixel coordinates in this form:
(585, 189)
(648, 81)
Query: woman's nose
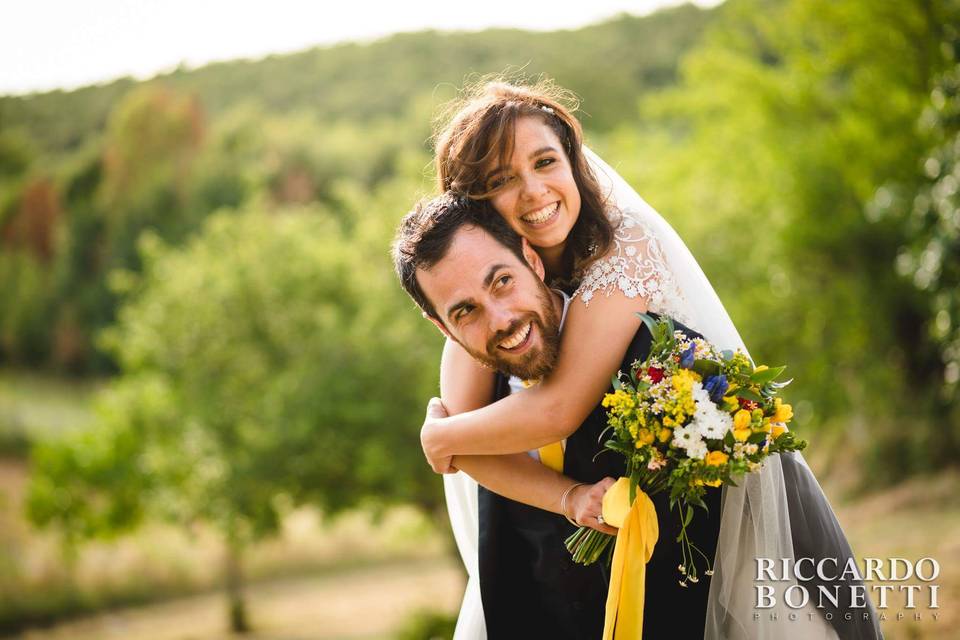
(532, 187)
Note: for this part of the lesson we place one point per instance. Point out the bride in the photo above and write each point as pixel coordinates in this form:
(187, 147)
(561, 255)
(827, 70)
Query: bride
(603, 244)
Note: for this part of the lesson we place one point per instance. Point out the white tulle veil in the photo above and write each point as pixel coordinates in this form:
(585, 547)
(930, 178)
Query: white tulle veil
(756, 515)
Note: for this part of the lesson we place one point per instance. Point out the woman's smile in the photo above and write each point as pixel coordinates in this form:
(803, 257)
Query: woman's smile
(542, 216)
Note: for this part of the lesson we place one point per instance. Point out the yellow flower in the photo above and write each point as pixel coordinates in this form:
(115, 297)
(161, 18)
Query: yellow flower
(716, 458)
(742, 434)
(709, 483)
(765, 425)
(784, 412)
(645, 436)
(619, 401)
(778, 430)
(664, 435)
(742, 419)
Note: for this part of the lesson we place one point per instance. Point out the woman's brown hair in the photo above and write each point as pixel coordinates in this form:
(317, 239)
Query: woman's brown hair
(478, 133)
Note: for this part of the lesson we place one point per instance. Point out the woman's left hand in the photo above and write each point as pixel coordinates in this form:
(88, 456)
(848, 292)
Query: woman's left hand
(435, 412)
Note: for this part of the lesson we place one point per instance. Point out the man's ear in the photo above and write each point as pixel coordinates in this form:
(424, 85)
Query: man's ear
(533, 259)
(438, 325)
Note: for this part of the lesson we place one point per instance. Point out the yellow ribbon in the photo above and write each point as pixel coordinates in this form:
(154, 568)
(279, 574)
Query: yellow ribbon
(551, 455)
(636, 538)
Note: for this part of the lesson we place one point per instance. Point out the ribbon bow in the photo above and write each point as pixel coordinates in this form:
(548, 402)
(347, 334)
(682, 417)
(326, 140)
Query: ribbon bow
(639, 531)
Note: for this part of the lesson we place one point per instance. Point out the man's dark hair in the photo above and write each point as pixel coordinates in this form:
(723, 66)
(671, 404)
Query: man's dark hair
(425, 235)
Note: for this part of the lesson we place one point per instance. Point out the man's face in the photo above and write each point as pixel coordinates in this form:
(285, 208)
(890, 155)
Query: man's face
(495, 305)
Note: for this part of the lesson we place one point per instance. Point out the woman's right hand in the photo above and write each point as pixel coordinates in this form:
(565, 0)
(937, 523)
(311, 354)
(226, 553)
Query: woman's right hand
(586, 504)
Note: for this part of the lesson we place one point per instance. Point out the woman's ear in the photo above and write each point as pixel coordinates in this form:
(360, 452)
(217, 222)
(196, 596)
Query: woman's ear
(533, 259)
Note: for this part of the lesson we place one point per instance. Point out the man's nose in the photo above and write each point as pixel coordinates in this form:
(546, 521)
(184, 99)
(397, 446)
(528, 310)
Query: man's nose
(500, 319)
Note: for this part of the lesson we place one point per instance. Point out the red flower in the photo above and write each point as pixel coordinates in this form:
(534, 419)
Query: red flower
(749, 405)
(655, 373)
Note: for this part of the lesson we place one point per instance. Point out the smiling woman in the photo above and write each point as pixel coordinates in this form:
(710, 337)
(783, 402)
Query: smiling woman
(522, 149)
(536, 193)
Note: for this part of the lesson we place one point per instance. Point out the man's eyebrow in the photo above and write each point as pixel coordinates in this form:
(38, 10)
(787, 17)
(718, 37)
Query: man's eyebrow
(538, 152)
(456, 307)
(491, 272)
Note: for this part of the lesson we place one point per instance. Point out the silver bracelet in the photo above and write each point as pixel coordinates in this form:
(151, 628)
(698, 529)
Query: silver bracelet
(563, 502)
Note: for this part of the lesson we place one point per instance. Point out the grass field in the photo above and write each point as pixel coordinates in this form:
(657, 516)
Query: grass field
(353, 578)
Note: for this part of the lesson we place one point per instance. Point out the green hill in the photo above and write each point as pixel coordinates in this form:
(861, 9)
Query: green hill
(619, 59)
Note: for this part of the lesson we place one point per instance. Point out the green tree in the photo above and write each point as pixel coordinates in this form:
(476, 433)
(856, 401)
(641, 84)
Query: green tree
(790, 114)
(928, 208)
(270, 362)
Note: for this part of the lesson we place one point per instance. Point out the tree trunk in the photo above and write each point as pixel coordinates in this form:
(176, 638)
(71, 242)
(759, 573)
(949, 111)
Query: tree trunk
(234, 582)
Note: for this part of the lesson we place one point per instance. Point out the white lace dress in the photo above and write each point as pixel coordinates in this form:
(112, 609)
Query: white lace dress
(635, 266)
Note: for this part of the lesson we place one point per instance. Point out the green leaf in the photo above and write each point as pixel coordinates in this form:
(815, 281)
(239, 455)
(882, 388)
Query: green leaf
(748, 394)
(706, 368)
(761, 378)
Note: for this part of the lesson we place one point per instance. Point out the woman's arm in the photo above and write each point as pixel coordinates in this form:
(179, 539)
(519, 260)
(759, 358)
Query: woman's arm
(464, 386)
(592, 346)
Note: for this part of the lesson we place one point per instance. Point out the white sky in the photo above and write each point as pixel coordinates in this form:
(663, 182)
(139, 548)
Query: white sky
(49, 44)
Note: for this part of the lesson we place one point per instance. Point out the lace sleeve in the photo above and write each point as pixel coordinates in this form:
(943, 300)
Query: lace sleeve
(635, 266)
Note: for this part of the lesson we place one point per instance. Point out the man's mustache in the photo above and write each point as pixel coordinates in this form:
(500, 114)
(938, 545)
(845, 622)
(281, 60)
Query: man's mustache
(515, 326)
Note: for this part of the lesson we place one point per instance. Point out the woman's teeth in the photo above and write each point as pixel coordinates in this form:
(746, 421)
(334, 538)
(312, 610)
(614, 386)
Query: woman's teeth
(516, 338)
(541, 215)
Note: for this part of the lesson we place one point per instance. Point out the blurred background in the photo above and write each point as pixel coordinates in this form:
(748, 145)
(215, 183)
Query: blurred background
(211, 385)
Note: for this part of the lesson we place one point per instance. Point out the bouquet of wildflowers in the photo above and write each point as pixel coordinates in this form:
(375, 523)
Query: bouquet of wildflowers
(687, 418)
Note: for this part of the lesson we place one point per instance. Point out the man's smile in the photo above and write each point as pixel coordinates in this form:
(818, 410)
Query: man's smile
(519, 340)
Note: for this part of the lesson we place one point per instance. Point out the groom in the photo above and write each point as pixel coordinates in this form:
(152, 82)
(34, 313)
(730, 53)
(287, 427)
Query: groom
(482, 285)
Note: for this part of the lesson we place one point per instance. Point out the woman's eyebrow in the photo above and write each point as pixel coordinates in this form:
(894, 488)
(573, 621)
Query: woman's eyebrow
(542, 150)
(538, 152)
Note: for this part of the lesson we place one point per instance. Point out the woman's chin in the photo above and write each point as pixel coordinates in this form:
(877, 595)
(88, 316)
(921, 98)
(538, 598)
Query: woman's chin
(553, 241)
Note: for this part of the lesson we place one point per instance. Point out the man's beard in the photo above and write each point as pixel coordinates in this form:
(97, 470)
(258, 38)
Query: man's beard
(536, 362)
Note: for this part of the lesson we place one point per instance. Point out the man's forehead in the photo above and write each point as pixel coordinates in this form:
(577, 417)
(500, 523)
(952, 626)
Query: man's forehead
(461, 272)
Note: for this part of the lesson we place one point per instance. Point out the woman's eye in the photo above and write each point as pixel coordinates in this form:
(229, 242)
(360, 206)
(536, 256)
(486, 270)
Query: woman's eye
(543, 162)
(497, 182)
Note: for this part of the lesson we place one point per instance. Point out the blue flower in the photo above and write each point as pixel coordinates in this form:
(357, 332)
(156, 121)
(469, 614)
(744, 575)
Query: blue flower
(686, 358)
(717, 386)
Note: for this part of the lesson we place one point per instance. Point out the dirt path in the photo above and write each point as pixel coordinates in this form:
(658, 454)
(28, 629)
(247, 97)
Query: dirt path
(362, 604)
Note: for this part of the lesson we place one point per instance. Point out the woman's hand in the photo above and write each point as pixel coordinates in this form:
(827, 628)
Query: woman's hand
(586, 504)
(435, 412)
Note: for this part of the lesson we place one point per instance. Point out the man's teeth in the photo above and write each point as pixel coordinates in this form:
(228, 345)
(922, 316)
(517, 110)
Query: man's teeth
(541, 215)
(516, 338)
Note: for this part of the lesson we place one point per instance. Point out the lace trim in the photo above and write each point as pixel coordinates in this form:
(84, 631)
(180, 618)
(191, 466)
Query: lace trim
(635, 266)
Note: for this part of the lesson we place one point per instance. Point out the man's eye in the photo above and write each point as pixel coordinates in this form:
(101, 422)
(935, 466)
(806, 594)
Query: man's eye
(503, 281)
(463, 312)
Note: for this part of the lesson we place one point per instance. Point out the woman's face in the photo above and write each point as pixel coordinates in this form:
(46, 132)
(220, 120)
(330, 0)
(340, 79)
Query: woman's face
(538, 196)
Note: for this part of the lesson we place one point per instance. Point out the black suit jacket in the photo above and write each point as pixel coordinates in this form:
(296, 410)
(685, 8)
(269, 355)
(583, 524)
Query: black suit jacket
(529, 586)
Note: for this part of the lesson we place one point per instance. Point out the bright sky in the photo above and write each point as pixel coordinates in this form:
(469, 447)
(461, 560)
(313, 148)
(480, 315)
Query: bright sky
(49, 44)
